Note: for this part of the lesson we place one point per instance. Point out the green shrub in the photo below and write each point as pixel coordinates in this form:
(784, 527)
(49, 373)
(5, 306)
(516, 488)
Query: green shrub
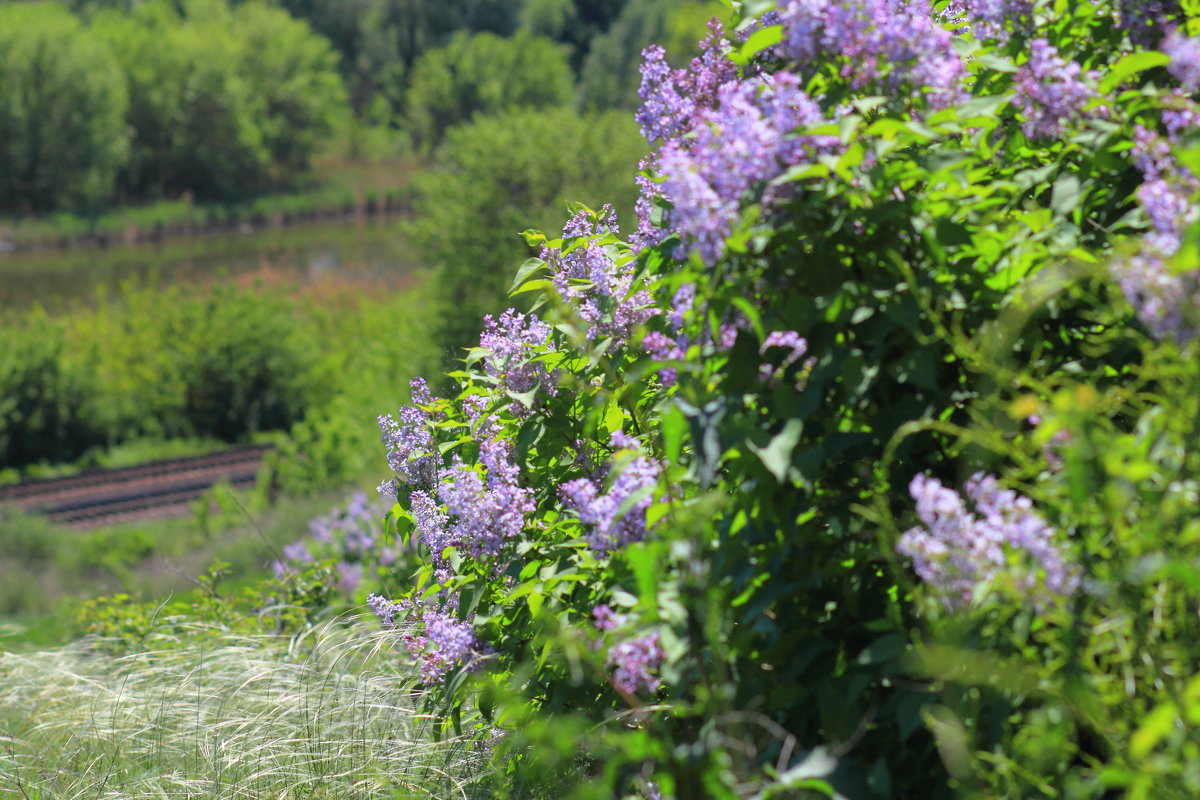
(62, 111)
(484, 74)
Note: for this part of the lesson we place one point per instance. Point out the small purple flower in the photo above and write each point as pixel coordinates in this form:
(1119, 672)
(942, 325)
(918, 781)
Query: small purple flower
(1050, 92)
(349, 576)
(744, 142)
(795, 347)
(411, 451)
(632, 476)
(957, 550)
(636, 661)
(1185, 59)
(991, 19)
(511, 344)
(1146, 20)
(888, 43)
(448, 643)
(483, 511)
(606, 619)
(1166, 301)
(385, 609)
(599, 280)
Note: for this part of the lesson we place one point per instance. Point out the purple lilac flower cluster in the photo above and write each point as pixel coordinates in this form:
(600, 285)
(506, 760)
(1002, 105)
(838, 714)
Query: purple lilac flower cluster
(603, 290)
(636, 660)
(991, 19)
(1185, 59)
(794, 345)
(886, 43)
(411, 452)
(447, 642)
(484, 511)
(957, 550)
(631, 474)
(1164, 300)
(722, 135)
(670, 98)
(511, 342)
(1050, 91)
(744, 142)
(345, 534)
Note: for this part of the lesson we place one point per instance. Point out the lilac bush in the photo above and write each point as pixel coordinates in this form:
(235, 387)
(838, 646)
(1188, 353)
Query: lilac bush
(698, 427)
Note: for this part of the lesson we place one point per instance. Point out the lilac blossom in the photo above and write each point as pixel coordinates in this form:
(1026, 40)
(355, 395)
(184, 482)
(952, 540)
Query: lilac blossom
(599, 281)
(1185, 59)
(385, 609)
(649, 232)
(1050, 91)
(510, 344)
(606, 619)
(990, 19)
(744, 142)
(482, 511)
(411, 451)
(347, 535)
(670, 98)
(956, 550)
(1145, 20)
(1165, 300)
(446, 643)
(636, 661)
(632, 476)
(888, 43)
(794, 345)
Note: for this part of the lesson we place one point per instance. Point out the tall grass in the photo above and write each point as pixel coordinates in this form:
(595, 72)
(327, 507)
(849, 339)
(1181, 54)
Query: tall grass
(331, 713)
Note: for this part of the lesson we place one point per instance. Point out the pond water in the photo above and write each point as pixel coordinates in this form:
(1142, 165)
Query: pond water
(361, 249)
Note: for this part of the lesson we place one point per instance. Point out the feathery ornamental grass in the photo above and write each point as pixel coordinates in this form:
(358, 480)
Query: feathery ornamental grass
(330, 713)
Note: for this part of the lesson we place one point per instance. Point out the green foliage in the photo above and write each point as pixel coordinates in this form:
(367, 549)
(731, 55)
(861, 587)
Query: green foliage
(379, 41)
(499, 174)
(62, 109)
(484, 74)
(223, 103)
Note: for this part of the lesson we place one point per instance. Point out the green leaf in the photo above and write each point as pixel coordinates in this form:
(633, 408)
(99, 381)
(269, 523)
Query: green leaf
(530, 266)
(532, 286)
(1065, 196)
(1131, 65)
(758, 41)
(776, 456)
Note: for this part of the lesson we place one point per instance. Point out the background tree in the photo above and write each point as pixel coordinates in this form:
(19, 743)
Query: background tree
(484, 73)
(62, 129)
(224, 102)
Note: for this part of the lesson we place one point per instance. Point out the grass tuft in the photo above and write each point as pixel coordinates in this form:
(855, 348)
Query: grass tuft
(332, 713)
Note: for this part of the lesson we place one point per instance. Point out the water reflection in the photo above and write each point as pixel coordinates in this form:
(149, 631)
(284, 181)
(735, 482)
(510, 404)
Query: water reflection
(366, 249)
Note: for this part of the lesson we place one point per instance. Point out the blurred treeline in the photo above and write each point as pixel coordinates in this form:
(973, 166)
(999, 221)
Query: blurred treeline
(106, 102)
(218, 363)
